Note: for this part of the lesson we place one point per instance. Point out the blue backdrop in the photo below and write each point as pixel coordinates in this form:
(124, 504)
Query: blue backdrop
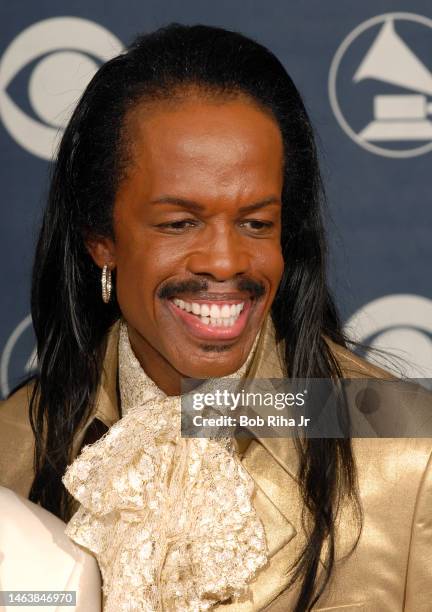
(365, 72)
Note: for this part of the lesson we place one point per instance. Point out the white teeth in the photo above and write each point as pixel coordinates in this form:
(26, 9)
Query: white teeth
(212, 314)
(205, 310)
(225, 311)
(215, 311)
(229, 322)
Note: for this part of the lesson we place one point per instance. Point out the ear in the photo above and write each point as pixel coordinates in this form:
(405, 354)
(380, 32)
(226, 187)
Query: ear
(102, 251)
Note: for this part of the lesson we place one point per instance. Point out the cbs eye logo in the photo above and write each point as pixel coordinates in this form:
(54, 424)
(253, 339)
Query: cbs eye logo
(400, 324)
(18, 358)
(65, 53)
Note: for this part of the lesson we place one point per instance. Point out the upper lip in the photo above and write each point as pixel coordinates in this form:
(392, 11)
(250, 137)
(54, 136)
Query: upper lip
(214, 297)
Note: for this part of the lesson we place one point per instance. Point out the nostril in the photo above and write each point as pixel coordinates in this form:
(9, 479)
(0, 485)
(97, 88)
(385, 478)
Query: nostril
(219, 265)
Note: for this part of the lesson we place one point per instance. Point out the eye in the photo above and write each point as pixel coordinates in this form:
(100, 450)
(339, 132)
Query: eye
(258, 226)
(178, 225)
(47, 67)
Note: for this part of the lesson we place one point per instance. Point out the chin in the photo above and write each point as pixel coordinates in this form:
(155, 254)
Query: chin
(217, 368)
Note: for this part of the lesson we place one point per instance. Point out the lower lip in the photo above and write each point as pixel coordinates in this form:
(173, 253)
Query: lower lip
(211, 332)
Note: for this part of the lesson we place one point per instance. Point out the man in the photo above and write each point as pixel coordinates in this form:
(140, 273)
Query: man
(187, 181)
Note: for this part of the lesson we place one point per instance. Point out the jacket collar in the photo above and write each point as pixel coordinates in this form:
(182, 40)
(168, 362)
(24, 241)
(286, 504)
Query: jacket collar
(107, 399)
(267, 363)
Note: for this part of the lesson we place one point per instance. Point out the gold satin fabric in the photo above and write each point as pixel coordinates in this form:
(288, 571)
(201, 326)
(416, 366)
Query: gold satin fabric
(391, 568)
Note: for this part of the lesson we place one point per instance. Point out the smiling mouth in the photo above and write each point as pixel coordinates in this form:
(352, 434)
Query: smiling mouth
(218, 315)
(215, 320)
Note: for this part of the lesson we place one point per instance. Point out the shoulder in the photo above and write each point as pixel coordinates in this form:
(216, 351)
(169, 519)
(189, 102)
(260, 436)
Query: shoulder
(16, 441)
(394, 420)
(34, 548)
(381, 403)
(354, 366)
(14, 409)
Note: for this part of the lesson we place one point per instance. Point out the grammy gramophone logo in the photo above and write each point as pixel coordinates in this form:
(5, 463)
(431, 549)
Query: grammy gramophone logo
(380, 85)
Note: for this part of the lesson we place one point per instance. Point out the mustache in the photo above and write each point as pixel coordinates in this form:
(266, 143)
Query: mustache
(255, 289)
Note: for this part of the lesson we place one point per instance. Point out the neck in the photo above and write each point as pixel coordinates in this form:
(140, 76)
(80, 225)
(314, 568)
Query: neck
(167, 378)
(163, 374)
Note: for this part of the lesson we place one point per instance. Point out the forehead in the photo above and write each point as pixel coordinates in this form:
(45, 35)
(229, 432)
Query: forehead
(230, 142)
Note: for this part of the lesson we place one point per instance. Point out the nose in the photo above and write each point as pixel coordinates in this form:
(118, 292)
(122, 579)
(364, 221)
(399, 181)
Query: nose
(221, 254)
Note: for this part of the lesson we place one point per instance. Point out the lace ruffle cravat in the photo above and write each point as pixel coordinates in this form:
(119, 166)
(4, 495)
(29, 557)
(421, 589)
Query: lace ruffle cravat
(169, 519)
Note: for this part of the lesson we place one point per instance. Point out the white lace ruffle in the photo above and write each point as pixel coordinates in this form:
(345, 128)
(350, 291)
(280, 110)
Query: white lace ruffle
(169, 519)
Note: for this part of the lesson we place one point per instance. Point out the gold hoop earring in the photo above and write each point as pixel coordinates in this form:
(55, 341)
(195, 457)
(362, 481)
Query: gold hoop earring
(106, 284)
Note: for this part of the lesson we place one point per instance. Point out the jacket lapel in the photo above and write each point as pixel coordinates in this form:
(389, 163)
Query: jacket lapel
(276, 498)
(107, 403)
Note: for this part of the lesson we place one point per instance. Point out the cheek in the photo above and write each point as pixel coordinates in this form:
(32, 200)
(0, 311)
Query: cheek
(270, 262)
(143, 264)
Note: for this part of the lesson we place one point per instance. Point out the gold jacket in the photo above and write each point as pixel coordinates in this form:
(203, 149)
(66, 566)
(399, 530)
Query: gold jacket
(390, 570)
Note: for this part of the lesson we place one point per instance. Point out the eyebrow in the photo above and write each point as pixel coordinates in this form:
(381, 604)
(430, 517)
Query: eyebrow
(192, 205)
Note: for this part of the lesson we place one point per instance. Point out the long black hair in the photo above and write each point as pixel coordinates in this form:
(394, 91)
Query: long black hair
(69, 317)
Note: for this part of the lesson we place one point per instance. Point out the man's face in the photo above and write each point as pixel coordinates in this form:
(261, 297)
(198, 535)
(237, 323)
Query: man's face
(197, 266)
